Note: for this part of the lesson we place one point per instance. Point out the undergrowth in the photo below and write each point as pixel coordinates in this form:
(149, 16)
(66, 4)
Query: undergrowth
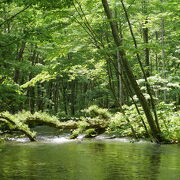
(98, 120)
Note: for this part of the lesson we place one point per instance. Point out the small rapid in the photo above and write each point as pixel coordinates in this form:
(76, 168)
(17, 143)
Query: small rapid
(47, 134)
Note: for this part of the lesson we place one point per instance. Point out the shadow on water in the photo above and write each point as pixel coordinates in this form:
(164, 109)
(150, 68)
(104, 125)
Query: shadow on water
(155, 161)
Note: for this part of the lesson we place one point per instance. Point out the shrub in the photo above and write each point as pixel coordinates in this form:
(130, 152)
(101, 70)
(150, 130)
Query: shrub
(94, 111)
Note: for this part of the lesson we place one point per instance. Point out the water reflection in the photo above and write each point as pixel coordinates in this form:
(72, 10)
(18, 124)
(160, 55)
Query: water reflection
(155, 161)
(89, 160)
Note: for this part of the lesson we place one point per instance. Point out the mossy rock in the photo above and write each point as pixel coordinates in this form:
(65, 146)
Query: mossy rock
(75, 134)
(90, 133)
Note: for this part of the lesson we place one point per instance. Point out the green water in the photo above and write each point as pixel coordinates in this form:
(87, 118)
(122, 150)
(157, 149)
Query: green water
(89, 160)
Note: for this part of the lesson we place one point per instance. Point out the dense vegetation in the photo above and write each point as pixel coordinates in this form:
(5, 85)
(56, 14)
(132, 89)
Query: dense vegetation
(111, 65)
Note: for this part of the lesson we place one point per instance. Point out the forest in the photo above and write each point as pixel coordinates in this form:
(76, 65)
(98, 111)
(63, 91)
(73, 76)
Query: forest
(90, 67)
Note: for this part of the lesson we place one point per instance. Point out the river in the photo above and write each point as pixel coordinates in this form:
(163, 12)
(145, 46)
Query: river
(57, 158)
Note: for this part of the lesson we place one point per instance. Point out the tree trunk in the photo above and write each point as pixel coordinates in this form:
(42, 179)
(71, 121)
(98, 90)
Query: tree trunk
(72, 97)
(145, 31)
(130, 75)
(19, 59)
(163, 52)
(146, 51)
(31, 90)
(120, 84)
(64, 96)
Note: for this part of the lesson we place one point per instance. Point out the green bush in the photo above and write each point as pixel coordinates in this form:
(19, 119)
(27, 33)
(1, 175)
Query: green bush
(95, 111)
(169, 121)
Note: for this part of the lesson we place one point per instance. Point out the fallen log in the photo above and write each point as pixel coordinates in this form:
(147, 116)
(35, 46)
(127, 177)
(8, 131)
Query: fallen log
(27, 132)
(60, 125)
(23, 126)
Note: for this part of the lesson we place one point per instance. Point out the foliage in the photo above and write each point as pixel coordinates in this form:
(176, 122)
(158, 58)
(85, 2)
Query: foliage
(91, 126)
(90, 133)
(11, 96)
(168, 120)
(25, 116)
(94, 111)
(119, 126)
(169, 85)
(20, 120)
(14, 124)
(75, 134)
(60, 57)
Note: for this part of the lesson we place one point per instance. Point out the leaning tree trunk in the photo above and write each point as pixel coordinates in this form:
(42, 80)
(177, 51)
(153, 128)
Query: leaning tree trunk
(130, 75)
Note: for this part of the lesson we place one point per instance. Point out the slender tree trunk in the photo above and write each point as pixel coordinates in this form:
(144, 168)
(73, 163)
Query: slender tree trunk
(19, 59)
(32, 99)
(156, 55)
(145, 31)
(111, 84)
(50, 94)
(149, 90)
(130, 75)
(31, 90)
(39, 97)
(146, 41)
(64, 96)
(120, 89)
(163, 51)
(73, 86)
(56, 96)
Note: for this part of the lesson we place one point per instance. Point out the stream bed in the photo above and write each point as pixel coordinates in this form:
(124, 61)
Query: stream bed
(58, 158)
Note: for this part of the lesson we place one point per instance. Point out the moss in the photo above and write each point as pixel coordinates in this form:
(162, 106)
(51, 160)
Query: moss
(90, 133)
(75, 134)
(95, 111)
(15, 124)
(97, 121)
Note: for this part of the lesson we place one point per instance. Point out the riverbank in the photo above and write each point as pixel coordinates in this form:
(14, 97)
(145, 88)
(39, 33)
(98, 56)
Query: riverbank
(93, 122)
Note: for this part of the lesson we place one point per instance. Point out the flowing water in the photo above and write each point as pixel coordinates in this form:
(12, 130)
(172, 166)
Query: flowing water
(57, 158)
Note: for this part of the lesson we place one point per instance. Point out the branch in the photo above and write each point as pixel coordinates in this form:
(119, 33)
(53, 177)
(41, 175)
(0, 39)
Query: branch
(149, 89)
(13, 16)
